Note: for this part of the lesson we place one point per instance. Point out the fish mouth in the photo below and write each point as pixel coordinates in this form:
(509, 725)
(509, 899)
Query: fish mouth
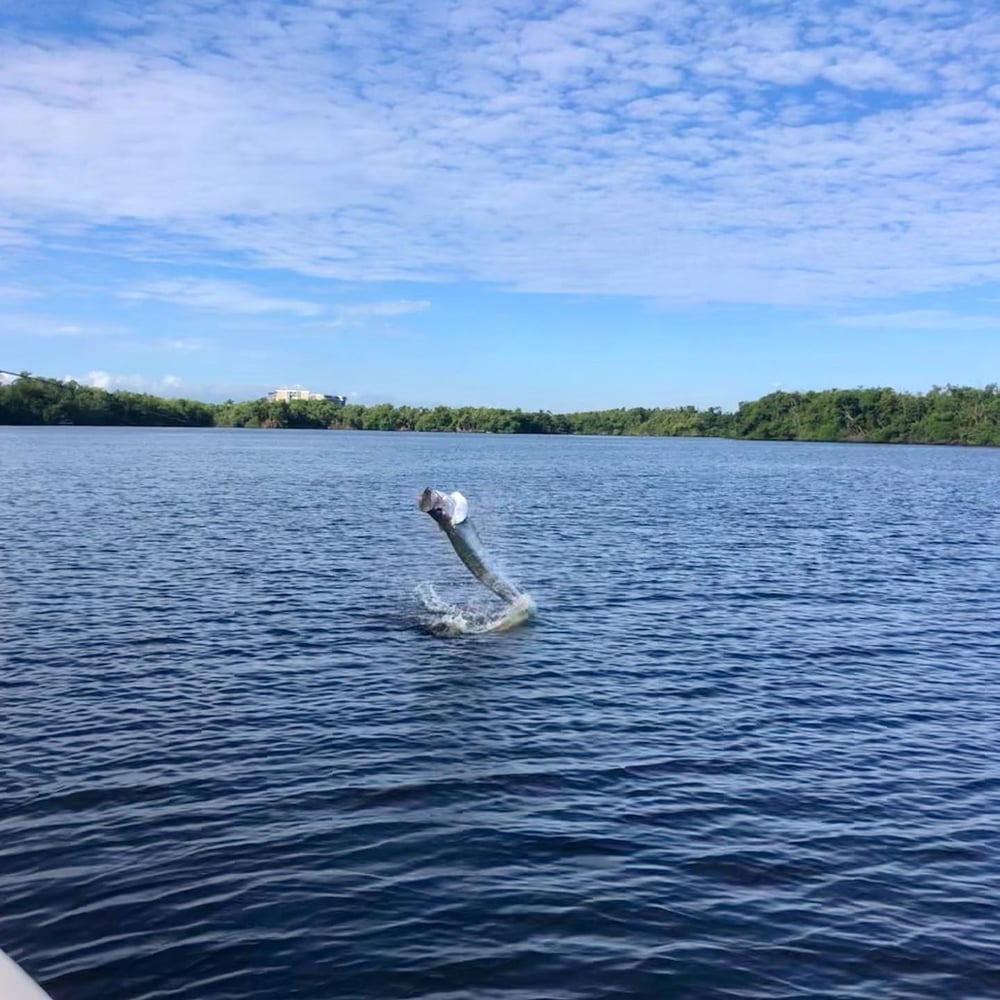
(445, 508)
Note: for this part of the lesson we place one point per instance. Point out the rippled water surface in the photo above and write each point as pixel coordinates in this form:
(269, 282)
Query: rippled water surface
(749, 747)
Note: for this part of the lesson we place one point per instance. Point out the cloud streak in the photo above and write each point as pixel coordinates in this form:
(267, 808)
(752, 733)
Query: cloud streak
(789, 154)
(38, 325)
(220, 296)
(17, 293)
(360, 314)
(921, 319)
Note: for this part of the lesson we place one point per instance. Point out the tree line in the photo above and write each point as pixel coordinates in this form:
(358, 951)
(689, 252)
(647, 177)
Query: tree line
(944, 415)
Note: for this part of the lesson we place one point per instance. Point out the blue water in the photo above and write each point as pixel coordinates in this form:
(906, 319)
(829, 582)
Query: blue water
(749, 747)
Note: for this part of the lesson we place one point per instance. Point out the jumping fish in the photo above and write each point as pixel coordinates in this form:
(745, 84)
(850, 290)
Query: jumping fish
(451, 512)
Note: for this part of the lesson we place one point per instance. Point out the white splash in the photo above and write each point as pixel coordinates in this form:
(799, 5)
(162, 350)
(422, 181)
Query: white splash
(443, 618)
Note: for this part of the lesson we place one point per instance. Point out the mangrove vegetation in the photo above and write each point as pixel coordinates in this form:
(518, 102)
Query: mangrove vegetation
(944, 415)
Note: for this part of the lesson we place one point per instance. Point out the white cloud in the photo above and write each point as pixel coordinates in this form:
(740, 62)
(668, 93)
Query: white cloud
(360, 313)
(16, 293)
(921, 319)
(37, 325)
(182, 343)
(131, 383)
(222, 296)
(687, 152)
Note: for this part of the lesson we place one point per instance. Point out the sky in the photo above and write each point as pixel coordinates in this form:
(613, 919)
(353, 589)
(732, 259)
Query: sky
(520, 203)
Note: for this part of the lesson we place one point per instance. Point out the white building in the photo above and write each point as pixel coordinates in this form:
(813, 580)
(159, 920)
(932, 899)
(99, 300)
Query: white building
(287, 395)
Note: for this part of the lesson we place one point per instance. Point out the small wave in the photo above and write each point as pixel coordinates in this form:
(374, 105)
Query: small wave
(443, 618)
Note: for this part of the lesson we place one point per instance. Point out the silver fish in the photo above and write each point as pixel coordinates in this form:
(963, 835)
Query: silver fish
(451, 511)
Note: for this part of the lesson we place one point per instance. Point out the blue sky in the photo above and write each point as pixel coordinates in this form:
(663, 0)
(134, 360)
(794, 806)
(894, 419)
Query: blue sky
(545, 205)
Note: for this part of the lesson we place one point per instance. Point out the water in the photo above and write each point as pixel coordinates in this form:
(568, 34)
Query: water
(748, 748)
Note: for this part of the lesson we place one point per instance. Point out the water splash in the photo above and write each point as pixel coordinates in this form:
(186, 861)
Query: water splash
(440, 617)
(450, 512)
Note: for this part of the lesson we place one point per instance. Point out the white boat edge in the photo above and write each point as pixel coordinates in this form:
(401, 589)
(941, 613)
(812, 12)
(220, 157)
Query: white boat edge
(16, 984)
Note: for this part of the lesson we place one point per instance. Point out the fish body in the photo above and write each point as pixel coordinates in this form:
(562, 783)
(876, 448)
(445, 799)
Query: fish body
(451, 511)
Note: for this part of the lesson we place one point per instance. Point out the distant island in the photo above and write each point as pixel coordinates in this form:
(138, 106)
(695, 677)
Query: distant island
(948, 415)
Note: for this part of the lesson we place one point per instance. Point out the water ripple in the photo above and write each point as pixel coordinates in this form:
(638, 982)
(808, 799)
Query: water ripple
(748, 748)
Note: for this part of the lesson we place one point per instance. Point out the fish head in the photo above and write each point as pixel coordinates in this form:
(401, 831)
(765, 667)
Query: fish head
(445, 508)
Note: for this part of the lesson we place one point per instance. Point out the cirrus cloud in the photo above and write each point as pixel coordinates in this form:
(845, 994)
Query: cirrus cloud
(921, 319)
(222, 296)
(359, 314)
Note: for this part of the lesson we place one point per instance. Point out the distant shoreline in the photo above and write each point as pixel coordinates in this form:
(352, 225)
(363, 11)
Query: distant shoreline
(952, 415)
(573, 434)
